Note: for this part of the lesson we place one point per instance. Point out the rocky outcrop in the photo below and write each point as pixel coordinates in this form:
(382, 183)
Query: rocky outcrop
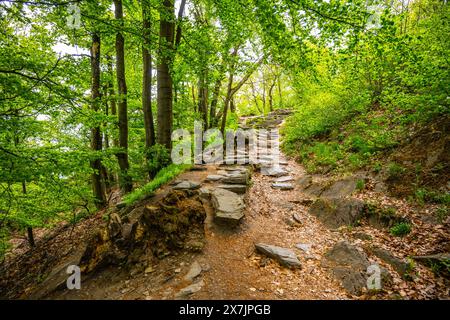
(335, 213)
(149, 231)
(348, 265)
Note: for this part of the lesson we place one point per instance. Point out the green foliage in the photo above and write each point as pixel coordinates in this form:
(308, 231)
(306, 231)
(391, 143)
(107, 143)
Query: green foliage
(442, 212)
(401, 229)
(158, 158)
(360, 184)
(163, 176)
(430, 196)
(395, 170)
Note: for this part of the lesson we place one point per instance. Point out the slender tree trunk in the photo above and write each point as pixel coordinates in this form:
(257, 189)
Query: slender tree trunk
(96, 137)
(108, 177)
(112, 94)
(215, 98)
(280, 94)
(164, 77)
(125, 179)
(147, 78)
(203, 99)
(227, 102)
(271, 95)
(193, 98)
(29, 229)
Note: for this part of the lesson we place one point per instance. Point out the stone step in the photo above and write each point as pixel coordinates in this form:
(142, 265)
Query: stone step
(228, 206)
(236, 188)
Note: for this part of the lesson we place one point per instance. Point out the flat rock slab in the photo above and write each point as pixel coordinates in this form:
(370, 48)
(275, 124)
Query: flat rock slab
(284, 256)
(214, 177)
(275, 171)
(187, 185)
(284, 179)
(193, 288)
(282, 185)
(236, 188)
(229, 206)
(236, 178)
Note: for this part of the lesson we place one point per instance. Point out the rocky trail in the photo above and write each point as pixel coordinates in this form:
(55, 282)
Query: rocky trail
(257, 232)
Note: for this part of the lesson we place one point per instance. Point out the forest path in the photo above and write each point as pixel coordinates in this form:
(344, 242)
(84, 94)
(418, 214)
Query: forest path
(236, 271)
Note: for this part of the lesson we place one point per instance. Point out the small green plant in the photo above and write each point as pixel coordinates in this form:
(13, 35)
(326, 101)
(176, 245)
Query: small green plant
(401, 229)
(442, 213)
(360, 184)
(395, 170)
(377, 167)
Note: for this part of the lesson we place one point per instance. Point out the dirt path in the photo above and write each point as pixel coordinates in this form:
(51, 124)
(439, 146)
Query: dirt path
(237, 272)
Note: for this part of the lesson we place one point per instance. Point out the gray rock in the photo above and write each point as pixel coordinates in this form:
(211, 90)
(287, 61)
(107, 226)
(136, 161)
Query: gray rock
(439, 262)
(349, 265)
(204, 193)
(306, 247)
(335, 213)
(282, 186)
(275, 171)
(236, 188)
(214, 177)
(193, 272)
(187, 185)
(400, 266)
(236, 178)
(284, 179)
(193, 288)
(229, 207)
(285, 257)
(340, 188)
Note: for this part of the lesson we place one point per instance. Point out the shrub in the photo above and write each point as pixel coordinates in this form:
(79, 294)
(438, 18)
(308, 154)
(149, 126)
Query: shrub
(401, 229)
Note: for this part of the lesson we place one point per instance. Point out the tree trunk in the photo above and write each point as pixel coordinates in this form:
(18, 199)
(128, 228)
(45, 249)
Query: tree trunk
(124, 178)
(96, 137)
(226, 103)
(279, 91)
(112, 96)
(29, 229)
(203, 99)
(164, 78)
(147, 78)
(271, 95)
(215, 98)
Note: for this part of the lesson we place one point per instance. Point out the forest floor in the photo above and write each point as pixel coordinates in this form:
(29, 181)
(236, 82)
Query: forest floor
(228, 267)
